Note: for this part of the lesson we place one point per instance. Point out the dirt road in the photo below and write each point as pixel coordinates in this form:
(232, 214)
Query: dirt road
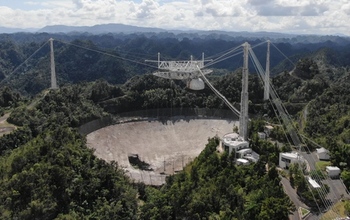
(5, 127)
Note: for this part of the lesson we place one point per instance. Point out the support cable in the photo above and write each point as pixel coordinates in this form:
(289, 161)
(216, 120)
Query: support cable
(108, 54)
(321, 191)
(231, 107)
(224, 56)
(24, 62)
(274, 108)
(261, 72)
(283, 55)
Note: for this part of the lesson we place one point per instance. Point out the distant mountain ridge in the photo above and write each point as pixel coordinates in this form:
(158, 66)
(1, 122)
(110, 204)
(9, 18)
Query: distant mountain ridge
(7, 30)
(100, 29)
(191, 34)
(122, 29)
(129, 29)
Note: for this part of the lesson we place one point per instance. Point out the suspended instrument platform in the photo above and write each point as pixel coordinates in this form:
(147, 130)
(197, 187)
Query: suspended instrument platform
(183, 70)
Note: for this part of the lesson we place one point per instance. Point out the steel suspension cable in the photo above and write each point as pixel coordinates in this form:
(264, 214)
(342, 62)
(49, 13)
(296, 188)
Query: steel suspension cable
(223, 98)
(223, 57)
(108, 54)
(17, 68)
(321, 191)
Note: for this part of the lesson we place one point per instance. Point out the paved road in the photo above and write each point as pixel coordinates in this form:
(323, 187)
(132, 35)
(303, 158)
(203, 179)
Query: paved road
(290, 191)
(337, 190)
(336, 187)
(311, 158)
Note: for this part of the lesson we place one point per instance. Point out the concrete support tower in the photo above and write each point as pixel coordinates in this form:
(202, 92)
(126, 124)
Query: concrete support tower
(53, 71)
(243, 120)
(267, 74)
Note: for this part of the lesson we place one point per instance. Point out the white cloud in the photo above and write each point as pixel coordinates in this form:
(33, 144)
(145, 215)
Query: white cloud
(346, 8)
(78, 3)
(304, 16)
(146, 9)
(288, 8)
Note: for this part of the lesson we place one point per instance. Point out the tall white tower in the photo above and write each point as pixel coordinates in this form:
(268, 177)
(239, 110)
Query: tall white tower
(267, 74)
(243, 119)
(53, 71)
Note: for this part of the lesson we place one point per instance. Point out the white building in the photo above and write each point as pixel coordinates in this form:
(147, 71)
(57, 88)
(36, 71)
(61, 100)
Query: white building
(244, 152)
(232, 141)
(322, 153)
(285, 159)
(333, 172)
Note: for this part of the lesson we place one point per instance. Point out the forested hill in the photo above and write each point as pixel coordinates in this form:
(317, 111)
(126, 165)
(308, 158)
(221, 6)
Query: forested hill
(47, 171)
(77, 58)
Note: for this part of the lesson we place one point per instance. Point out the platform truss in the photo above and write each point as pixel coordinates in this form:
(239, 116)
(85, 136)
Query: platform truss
(180, 70)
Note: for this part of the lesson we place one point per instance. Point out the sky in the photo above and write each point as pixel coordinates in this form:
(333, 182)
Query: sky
(325, 17)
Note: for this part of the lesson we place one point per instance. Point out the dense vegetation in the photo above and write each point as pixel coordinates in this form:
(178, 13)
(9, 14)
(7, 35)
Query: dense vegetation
(55, 176)
(47, 172)
(328, 119)
(213, 187)
(78, 59)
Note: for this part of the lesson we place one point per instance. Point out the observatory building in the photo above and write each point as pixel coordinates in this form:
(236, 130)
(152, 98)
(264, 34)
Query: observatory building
(285, 159)
(234, 143)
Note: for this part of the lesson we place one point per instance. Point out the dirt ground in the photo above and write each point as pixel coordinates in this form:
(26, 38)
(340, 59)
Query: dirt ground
(166, 146)
(5, 128)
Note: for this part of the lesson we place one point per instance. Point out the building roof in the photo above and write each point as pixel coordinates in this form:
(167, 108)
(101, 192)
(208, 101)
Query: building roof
(322, 150)
(269, 127)
(241, 160)
(232, 135)
(332, 168)
(313, 183)
(251, 158)
(234, 140)
(244, 150)
(293, 155)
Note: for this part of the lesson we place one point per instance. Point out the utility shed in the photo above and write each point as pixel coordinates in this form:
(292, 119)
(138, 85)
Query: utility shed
(262, 135)
(241, 161)
(333, 172)
(313, 183)
(244, 152)
(322, 153)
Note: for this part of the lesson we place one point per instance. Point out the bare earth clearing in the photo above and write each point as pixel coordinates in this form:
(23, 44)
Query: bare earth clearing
(5, 128)
(166, 146)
